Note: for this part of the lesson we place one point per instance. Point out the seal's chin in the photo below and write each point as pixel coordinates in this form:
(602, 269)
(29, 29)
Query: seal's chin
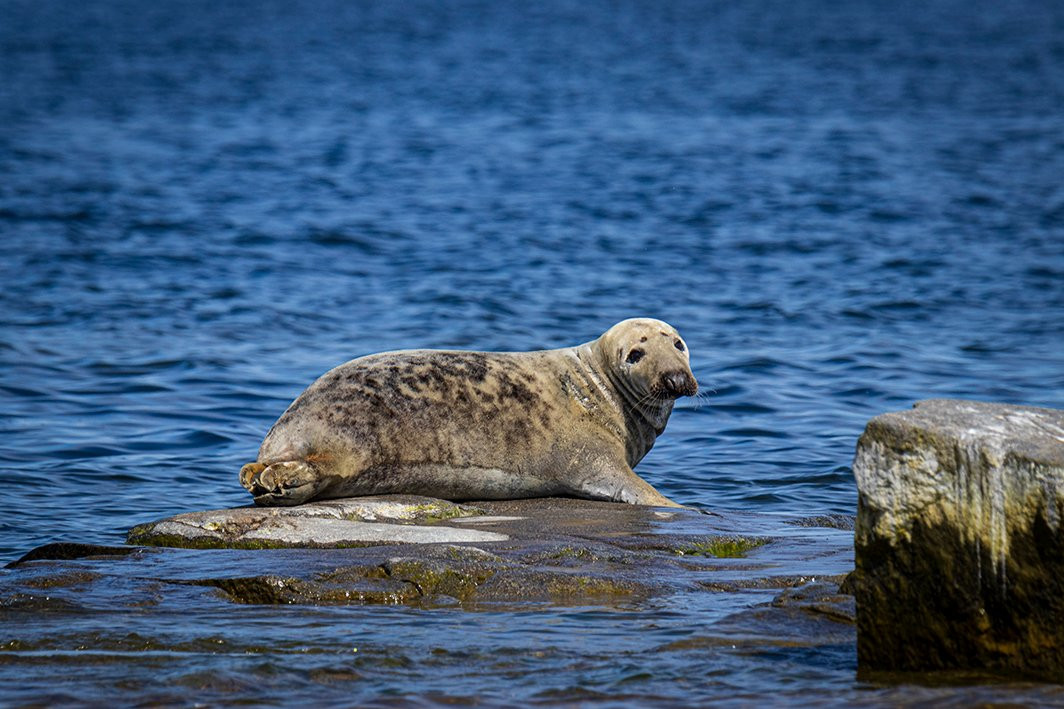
(673, 385)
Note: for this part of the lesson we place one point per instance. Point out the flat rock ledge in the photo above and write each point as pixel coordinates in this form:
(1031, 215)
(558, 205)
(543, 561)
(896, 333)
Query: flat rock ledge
(959, 547)
(350, 522)
(425, 552)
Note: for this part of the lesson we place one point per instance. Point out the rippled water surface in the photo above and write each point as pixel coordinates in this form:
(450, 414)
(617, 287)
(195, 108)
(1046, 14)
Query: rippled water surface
(843, 207)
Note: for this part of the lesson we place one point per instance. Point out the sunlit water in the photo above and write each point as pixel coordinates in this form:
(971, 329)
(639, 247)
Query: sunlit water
(843, 208)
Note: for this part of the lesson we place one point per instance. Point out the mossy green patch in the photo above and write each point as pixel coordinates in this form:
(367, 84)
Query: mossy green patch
(145, 535)
(434, 578)
(573, 553)
(721, 547)
(257, 590)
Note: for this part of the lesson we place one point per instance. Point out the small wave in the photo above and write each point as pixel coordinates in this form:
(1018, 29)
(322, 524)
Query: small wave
(83, 452)
(754, 433)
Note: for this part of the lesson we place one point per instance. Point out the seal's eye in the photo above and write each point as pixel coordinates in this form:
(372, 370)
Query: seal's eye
(679, 345)
(635, 355)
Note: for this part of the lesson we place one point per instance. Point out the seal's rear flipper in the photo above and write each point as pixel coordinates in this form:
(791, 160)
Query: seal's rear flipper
(289, 482)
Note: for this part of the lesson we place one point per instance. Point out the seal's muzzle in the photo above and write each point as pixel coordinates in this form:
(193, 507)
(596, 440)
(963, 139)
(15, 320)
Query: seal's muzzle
(677, 384)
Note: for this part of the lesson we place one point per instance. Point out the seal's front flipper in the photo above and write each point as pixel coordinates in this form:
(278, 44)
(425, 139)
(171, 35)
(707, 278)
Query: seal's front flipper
(621, 484)
(638, 491)
(289, 482)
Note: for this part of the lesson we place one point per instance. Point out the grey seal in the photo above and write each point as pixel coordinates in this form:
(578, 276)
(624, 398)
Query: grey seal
(463, 425)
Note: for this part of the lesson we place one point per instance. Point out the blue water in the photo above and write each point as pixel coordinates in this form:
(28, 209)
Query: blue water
(843, 207)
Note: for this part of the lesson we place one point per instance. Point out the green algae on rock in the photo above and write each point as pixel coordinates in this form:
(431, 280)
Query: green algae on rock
(728, 547)
(959, 542)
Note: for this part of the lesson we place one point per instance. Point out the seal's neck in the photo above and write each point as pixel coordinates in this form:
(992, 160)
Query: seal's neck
(642, 416)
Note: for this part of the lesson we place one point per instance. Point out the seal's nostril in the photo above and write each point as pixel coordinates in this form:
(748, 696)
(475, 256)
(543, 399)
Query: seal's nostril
(678, 383)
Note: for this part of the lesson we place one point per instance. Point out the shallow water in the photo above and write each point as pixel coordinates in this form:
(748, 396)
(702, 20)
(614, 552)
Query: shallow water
(204, 206)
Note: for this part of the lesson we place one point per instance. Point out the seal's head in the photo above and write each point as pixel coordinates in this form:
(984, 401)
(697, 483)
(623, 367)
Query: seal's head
(649, 359)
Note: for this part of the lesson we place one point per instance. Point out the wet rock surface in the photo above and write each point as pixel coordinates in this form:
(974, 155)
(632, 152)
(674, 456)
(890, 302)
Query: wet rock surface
(426, 553)
(421, 551)
(959, 543)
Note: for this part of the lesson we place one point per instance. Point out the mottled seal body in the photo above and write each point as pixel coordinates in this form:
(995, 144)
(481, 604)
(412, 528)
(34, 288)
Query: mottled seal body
(481, 425)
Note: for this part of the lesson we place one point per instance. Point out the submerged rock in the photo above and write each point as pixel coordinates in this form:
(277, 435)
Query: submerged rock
(959, 543)
(69, 550)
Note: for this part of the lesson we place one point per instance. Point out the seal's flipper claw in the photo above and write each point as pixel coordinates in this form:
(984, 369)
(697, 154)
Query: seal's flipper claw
(248, 473)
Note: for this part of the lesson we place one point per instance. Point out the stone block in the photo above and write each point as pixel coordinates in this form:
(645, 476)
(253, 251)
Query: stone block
(959, 545)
